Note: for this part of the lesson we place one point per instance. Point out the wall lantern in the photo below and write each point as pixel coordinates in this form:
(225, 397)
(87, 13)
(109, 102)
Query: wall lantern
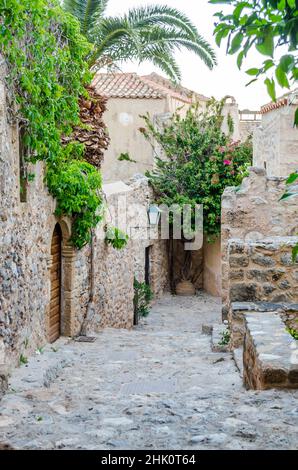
(154, 215)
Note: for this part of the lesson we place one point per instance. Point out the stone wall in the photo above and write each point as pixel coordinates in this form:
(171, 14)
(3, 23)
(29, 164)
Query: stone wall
(260, 272)
(270, 355)
(248, 128)
(26, 230)
(263, 271)
(253, 212)
(276, 141)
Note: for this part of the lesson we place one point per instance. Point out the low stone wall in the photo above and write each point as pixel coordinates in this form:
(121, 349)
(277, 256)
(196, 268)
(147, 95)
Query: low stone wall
(270, 354)
(287, 311)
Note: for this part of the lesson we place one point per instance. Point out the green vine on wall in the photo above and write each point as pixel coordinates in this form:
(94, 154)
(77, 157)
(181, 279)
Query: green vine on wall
(47, 73)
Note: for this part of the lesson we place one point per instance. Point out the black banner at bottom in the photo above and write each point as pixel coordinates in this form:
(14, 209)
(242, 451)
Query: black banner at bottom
(137, 459)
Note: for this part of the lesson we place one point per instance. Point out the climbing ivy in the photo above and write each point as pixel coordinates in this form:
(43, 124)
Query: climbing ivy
(47, 73)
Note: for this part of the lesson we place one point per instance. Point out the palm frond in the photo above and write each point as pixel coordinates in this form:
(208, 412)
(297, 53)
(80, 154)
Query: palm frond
(169, 66)
(151, 33)
(86, 11)
(175, 39)
(163, 58)
(114, 35)
(161, 15)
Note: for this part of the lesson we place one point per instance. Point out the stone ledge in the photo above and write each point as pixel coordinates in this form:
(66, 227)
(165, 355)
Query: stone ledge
(42, 369)
(263, 307)
(270, 354)
(264, 242)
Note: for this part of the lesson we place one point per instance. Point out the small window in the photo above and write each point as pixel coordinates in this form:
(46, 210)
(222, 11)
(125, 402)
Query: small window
(23, 153)
(265, 165)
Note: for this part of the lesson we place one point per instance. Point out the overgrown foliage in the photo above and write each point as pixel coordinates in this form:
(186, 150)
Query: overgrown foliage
(199, 161)
(142, 298)
(293, 332)
(47, 74)
(116, 238)
(268, 26)
(149, 33)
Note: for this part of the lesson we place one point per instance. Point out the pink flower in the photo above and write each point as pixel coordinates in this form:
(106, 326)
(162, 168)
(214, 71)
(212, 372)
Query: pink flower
(227, 162)
(222, 149)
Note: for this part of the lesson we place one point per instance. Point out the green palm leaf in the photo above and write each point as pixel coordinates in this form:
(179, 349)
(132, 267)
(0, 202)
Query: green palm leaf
(151, 33)
(86, 11)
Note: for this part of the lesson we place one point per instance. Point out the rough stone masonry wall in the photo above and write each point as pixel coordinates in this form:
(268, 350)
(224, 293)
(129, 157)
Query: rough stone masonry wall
(276, 142)
(251, 213)
(26, 230)
(115, 270)
(262, 273)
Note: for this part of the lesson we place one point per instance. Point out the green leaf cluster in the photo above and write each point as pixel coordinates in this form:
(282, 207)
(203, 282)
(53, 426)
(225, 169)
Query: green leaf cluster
(198, 161)
(265, 25)
(292, 191)
(293, 332)
(47, 73)
(143, 295)
(116, 238)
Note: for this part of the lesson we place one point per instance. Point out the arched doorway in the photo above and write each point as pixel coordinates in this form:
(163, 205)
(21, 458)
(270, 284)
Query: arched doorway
(55, 303)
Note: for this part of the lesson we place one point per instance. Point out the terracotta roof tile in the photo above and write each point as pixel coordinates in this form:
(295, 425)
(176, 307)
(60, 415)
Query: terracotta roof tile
(131, 85)
(279, 103)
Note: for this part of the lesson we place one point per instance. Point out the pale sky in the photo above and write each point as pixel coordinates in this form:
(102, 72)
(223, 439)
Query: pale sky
(225, 79)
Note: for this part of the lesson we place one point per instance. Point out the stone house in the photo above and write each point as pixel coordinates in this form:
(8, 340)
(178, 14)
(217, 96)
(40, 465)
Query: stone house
(47, 287)
(275, 141)
(129, 97)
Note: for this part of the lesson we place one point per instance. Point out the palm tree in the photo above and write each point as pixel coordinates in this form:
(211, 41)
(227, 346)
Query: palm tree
(146, 33)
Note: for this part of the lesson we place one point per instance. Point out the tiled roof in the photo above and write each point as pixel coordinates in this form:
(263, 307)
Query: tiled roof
(131, 85)
(279, 103)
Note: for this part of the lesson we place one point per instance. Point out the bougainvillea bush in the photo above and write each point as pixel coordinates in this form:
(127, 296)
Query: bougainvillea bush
(196, 161)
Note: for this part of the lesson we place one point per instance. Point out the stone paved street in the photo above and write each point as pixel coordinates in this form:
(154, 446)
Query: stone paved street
(156, 387)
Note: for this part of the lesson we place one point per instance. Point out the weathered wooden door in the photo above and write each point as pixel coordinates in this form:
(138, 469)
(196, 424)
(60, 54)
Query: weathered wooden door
(147, 265)
(55, 305)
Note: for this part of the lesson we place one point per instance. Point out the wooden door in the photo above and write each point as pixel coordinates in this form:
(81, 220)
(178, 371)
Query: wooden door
(55, 305)
(147, 265)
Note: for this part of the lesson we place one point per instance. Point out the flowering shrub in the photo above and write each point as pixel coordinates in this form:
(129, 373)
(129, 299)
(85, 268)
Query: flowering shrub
(201, 161)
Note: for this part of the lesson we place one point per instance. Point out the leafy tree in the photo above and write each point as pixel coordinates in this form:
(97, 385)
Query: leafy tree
(268, 26)
(147, 33)
(199, 161)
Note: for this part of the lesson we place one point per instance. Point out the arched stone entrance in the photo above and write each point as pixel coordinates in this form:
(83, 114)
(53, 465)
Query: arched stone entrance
(61, 311)
(56, 275)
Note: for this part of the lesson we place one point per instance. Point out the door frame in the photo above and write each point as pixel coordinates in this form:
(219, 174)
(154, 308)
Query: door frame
(68, 257)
